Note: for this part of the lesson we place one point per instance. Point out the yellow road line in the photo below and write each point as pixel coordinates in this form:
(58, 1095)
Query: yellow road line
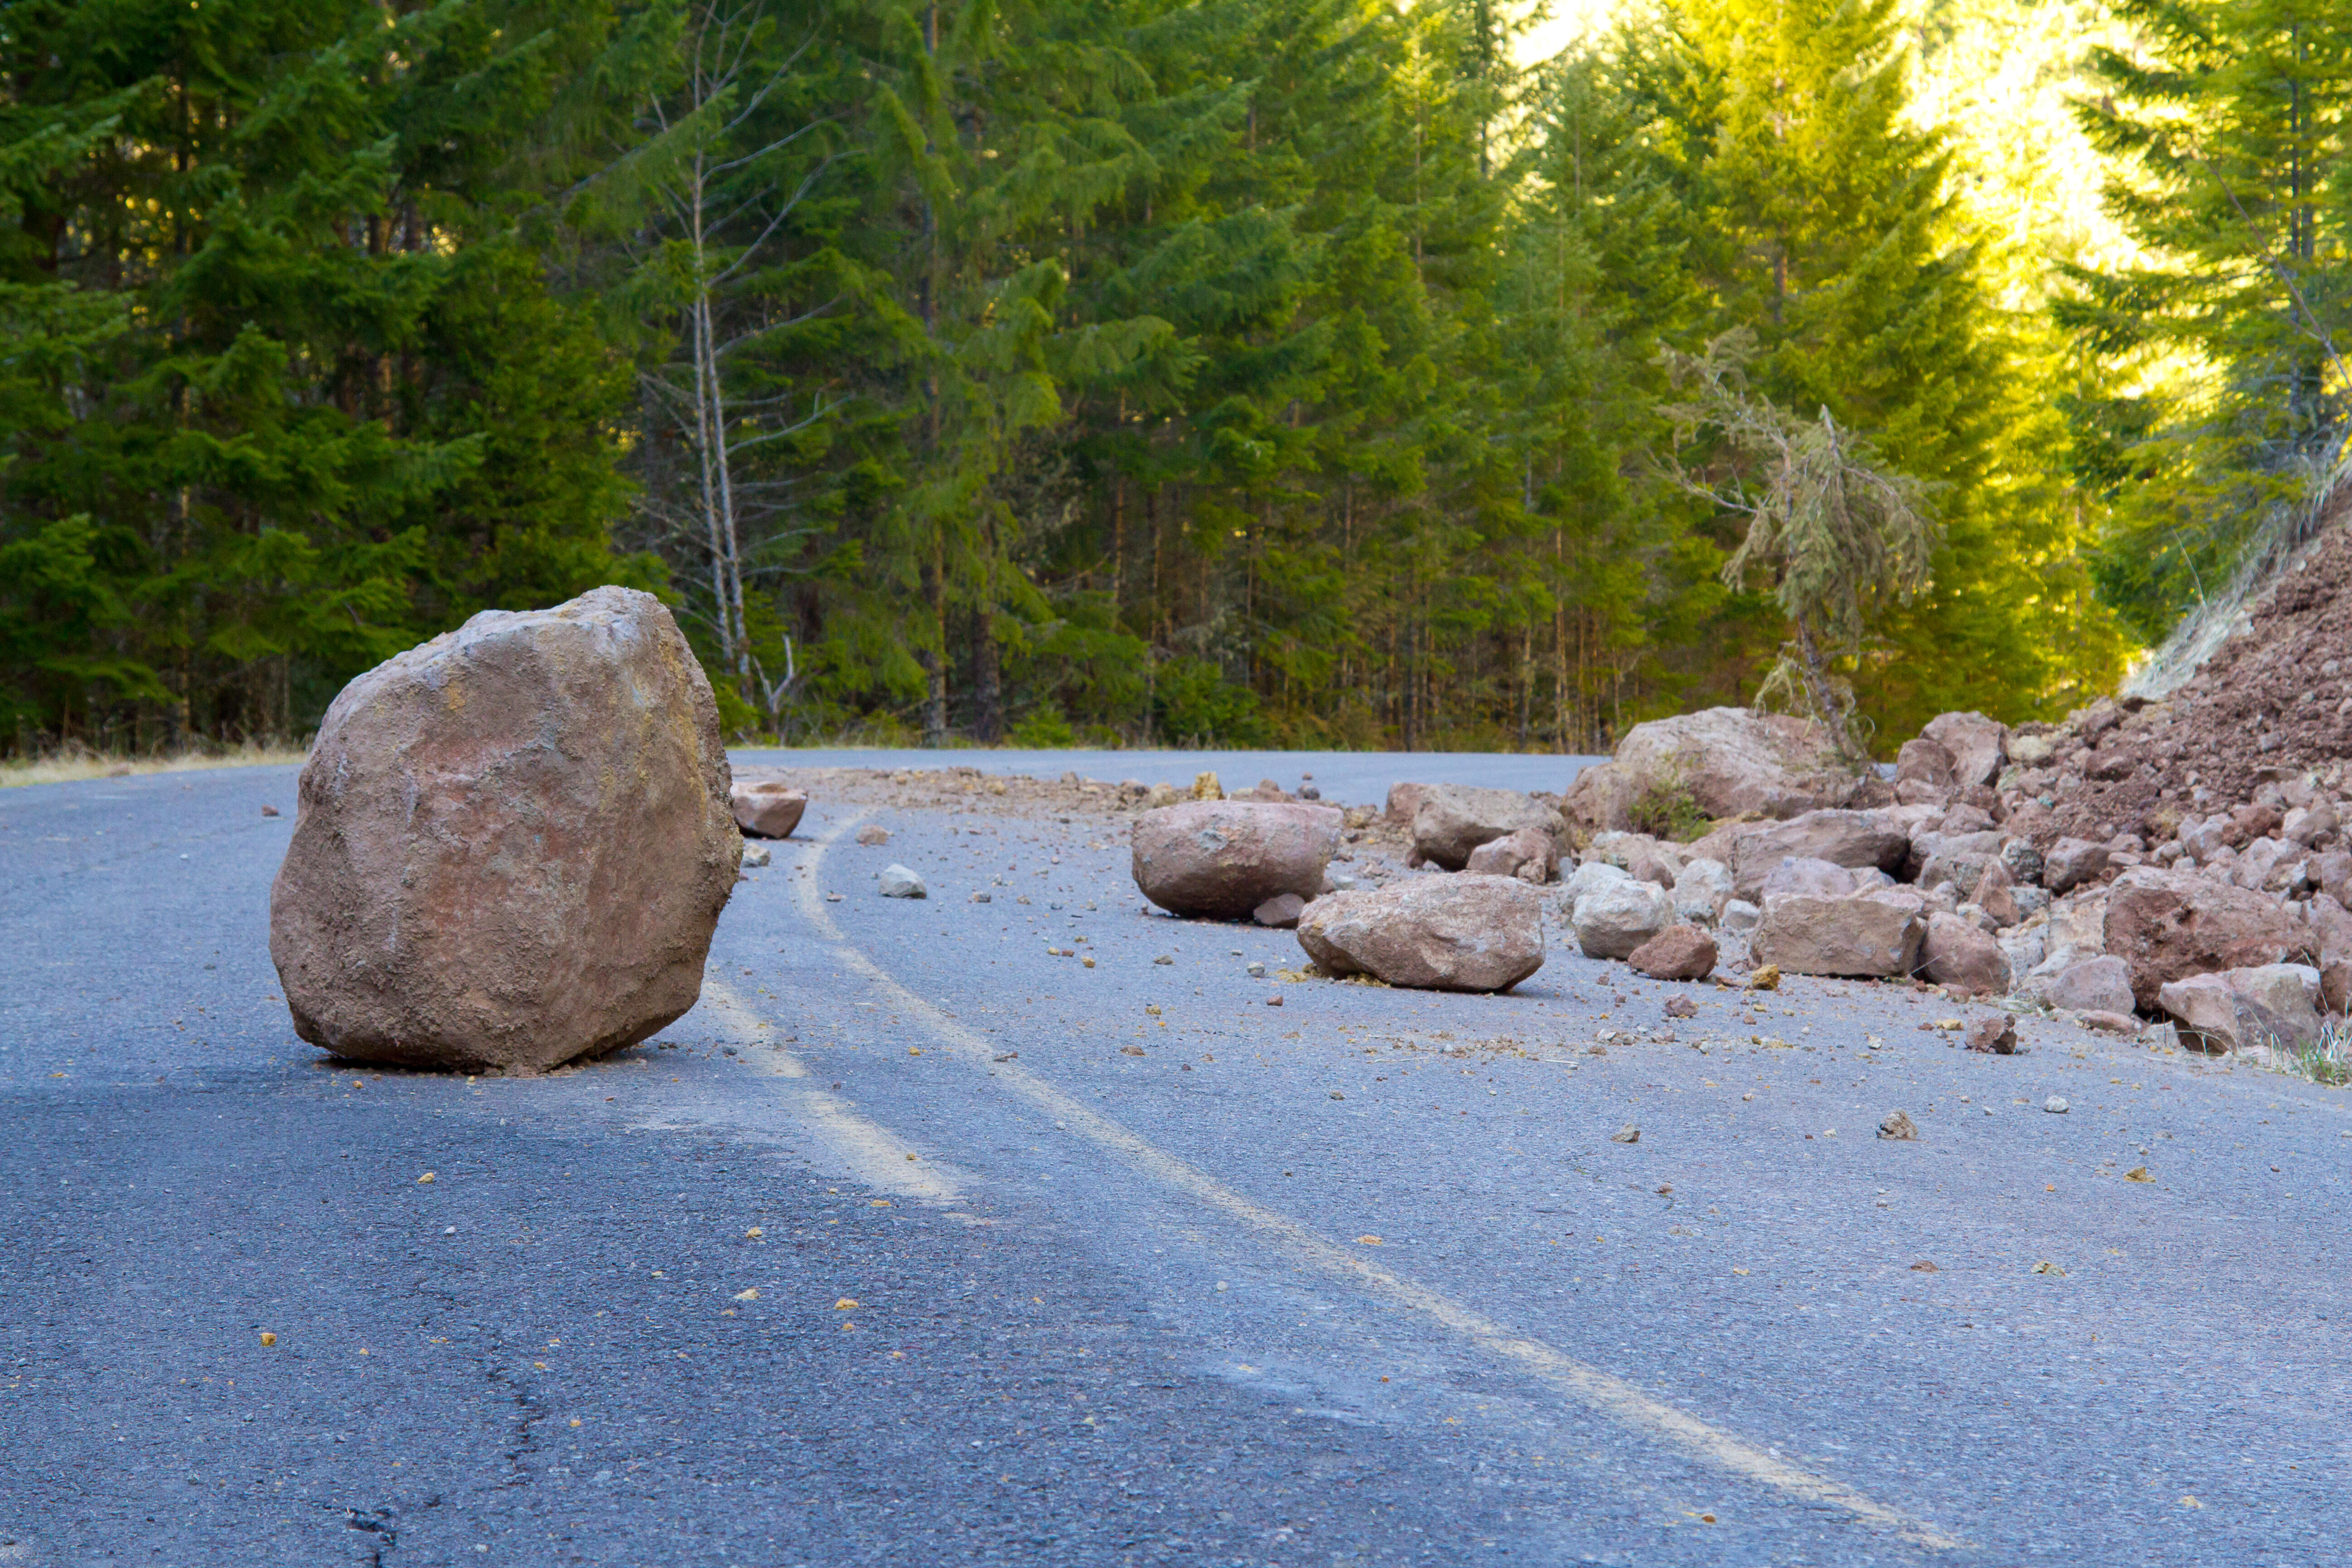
(1588, 1386)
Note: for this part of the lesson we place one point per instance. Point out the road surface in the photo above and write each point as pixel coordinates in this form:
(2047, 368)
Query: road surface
(893, 1252)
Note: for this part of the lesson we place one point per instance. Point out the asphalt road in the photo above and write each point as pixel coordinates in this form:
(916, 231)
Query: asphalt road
(892, 1253)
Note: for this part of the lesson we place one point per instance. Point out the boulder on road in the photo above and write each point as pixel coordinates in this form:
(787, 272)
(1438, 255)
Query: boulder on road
(1616, 918)
(1730, 761)
(2172, 925)
(2100, 985)
(1976, 745)
(2229, 1010)
(1958, 953)
(898, 881)
(1222, 858)
(1444, 934)
(1677, 952)
(513, 843)
(1862, 936)
(766, 808)
(1451, 820)
(1853, 839)
(1529, 856)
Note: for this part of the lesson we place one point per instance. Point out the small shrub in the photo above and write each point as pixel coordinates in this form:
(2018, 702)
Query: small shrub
(1668, 810)
(1045, 730)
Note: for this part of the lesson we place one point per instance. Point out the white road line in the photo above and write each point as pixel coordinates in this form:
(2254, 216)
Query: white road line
(871, 1153)
(1588, 1386)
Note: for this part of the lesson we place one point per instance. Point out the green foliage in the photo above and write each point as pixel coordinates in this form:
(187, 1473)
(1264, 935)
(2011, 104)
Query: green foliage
(1193, 704)
(1668, 810)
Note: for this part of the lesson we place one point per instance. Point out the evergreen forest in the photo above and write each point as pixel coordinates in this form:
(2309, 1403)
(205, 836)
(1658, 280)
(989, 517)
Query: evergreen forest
(1145, 372)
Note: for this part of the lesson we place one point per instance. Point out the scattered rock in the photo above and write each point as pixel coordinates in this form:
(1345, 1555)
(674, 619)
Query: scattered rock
(1446, 933)
(1453, 820)
(512, 845)
(1924, 762)
(1280, 911)
(1677, 952)
(1738, 915)
(1628, 1134)
(1852, 839)
(2100, 984)
(1528, 853)
(871, 834)
(1160, 794)
(755, 855)
(1405, 799)
(2071, 862)
(1976, 745)
(1767, 978)
(1899, 1127)
(270, 811)
(2169, 925)
(1222, 858)
(766, 808)
(2272, 1004)
(1702, 888)
(1641, 857)
(2110, 1023)
(898, 882)
(1616, 918)
(1206, 787)
(1864, 936)
(1995, 1036)
(1958, 954)
(1730, 761)
(2055, 1106)
(1681, 1007)
(1802, 876)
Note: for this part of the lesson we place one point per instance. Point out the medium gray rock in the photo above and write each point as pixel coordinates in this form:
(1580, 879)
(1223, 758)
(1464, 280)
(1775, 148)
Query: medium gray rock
(1614, 919)
(1446, 933)
(513, 845)
(1587, 877)
(1222, 858)
(1740, 915)
(898, 882)
(1280, 912)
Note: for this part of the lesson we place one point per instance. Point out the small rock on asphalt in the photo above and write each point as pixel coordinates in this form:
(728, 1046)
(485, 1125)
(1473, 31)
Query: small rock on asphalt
(1280, 911)
(1628, 1134)
(755, 855)
(872, 835)
(898, 882)
(1681, 1007)
(1998, 1036)
(1899, 1127)
(2055, 1106)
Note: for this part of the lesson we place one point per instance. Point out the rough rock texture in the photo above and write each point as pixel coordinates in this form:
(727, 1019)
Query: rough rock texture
(898, 881)
(2167, 925)
(1957, 954)
(1528, 855)
(1859, 936)
(1924, 760)
(766, 808)
(1976, 744)
(2069, 863)
(1616, 918)
(1451, 820)
(1677, 952)
(1643, 858)
(1802, 876)
(1444, 934)
(2268, 1004)
(2092, 985)
(1850, 839)
(1222, 858)
(1994, 1037)
(1405, 799)
(1701, 891)
(1280, 912)
(1733, 761)
(1585, 878)
(513, 845)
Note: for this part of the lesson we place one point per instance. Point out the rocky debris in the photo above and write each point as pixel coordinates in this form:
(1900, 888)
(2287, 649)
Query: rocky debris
(898, 882)
(872, 835)
(1445, 933)
(1900, 1128)
(2167, 925)
(1995, 1036)
(1451, 820)
(1638, 856)
(2109, 1023)
(1677, 952)
(1221, 859)
(1628, 1134)
(1924, 763)
(1616, 918)
(755, 855)
(1701, 890)
(1526, 854)
(512, 845)
(2056, 1105)
(1802, 877)
(268, 810)
(1729, 762)
(1853, 839)
(766, 808)
(2071, 862)
(1280, 912)
(1206, 787)
(2100, 984)
(1587, 877)
(2275, 1004)
(1961, 956)
(1681, 1007)
(1160, 794)
(1976, 745)
(1738, 915)
(1405, 799)
(1870, 935)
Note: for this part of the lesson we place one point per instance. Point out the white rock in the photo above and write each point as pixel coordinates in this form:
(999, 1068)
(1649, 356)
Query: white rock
(898, 882)
(1703, 887)
(1740, 915)
(754, 855)
(1614, 919)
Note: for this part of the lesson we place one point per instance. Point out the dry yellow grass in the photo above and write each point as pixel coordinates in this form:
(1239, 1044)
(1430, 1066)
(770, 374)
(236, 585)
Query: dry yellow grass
(64, 768)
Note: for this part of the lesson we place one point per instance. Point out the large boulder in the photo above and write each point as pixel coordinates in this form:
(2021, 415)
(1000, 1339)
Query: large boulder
(513, 845)
(1222, 858)
(1730, 761)
(1958, 953)
(1616, 918)
(2229, 1010)
(1454, 819)
(1854, 839)
(1802, 877)
(2071, 862)
(2171, 925)
(2100, 984)
(1924, 762)
(1528, 855)
(766, 808)
(1677, 952)
(1868, 935)
(1976, 745)
(1444, 933)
